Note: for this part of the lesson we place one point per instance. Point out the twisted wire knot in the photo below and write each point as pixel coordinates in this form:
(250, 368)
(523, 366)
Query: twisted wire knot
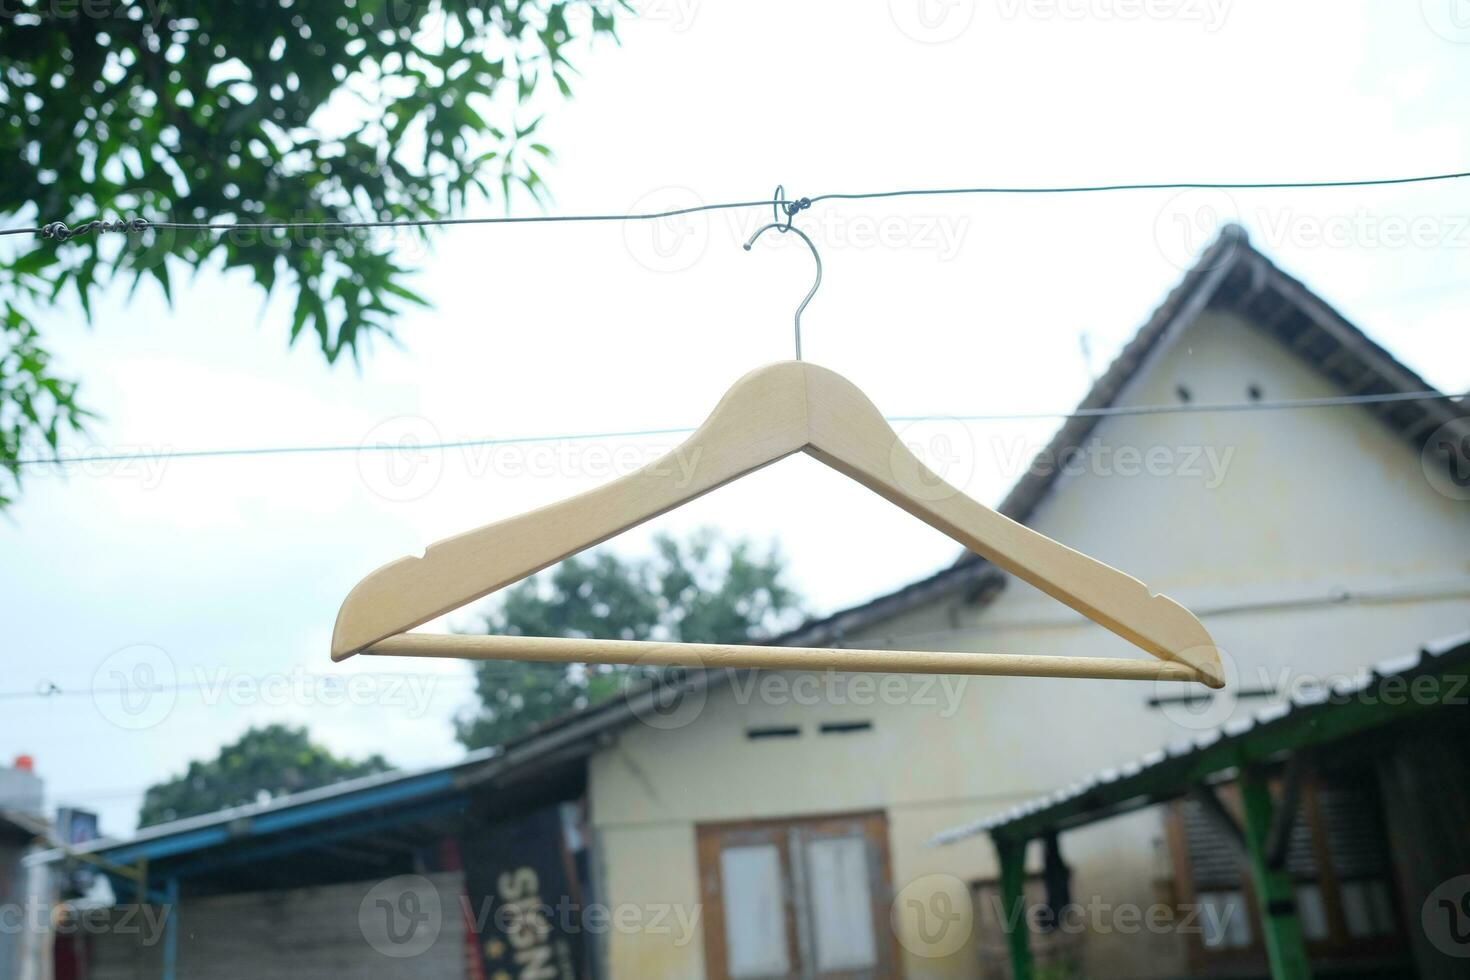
(780, 206)
(58, 231)
(792, 208)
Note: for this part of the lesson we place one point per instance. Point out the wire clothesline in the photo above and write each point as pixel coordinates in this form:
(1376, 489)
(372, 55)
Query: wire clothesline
(65, 457)
(51, 689)
(59, 231)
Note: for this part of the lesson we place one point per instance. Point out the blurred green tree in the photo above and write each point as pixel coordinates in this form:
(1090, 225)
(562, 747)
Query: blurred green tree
(702, 590)
(265, 763)
(254, 111)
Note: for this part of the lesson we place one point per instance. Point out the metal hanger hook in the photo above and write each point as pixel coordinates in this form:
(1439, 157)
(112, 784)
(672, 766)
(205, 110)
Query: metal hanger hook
(817, 282)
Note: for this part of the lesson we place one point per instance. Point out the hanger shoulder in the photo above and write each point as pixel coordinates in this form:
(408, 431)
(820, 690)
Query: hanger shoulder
(760, 420)
(849, 434)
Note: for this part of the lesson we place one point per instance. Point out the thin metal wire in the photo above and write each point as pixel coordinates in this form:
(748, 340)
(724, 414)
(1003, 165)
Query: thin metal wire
(60, 232)
(809, 244)
(1174, 186)
(1192, 408)
(51, 689)
(1205, 407)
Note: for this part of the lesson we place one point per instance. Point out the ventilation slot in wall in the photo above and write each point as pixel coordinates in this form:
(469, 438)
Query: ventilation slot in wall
(845, 727)
(774, 731)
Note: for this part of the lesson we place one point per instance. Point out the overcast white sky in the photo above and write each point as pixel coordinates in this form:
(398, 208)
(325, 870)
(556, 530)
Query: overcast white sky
(216, 573)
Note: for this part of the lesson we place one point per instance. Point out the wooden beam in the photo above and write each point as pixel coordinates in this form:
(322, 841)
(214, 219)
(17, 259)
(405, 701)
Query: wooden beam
(1278, 841)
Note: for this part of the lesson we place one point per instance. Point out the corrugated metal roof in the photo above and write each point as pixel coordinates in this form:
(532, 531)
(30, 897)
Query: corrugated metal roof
(1433, 655)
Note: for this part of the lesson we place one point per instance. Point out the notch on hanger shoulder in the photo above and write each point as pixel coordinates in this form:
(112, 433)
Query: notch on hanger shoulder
(771, 413)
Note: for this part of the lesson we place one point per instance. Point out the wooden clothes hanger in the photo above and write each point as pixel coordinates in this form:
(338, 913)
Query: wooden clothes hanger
(769, 414)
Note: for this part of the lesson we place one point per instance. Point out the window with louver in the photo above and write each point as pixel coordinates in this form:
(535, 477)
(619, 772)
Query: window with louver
(1337, 857)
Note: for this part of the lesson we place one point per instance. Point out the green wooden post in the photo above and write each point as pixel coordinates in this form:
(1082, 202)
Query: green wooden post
(1285, 949)
(1013, 916)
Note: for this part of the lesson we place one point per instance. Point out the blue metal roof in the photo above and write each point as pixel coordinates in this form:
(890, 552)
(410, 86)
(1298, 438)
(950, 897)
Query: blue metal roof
(293, 812)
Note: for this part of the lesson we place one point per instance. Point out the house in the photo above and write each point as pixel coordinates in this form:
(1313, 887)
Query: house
(784, 824)
(1327, 540)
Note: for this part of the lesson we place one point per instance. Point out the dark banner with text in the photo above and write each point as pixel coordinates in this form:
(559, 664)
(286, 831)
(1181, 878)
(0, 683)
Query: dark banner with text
(524, 900)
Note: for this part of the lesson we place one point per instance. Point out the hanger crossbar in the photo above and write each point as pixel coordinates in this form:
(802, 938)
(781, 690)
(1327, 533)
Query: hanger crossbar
(736, 656)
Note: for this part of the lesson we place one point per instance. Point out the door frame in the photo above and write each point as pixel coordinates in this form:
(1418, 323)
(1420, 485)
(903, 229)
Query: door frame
(711, 838)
